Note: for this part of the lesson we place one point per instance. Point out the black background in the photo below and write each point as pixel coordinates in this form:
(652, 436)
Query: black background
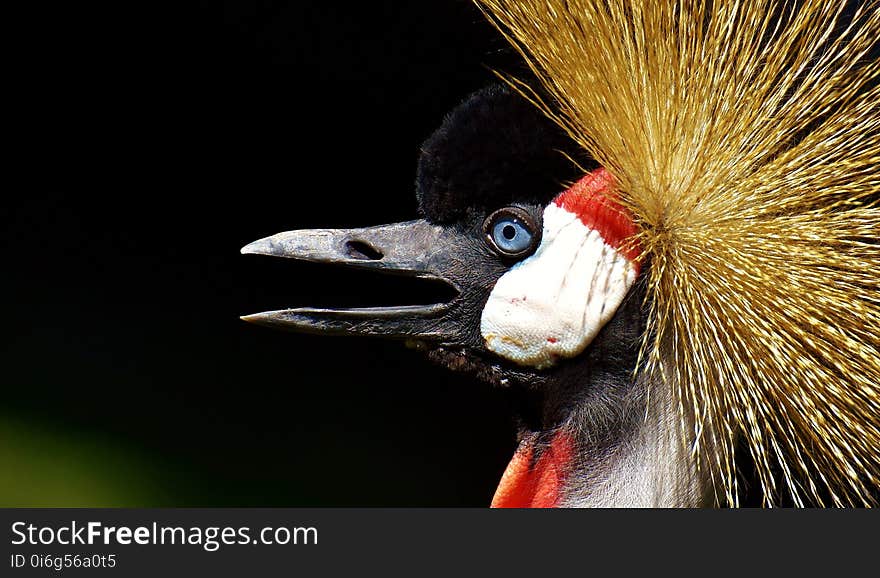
(156, 141)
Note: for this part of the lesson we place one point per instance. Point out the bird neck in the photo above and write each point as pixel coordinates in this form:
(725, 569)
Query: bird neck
(628, 452)
(651, 466)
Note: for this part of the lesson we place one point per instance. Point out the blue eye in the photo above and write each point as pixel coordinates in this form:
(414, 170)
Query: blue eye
(511, 232)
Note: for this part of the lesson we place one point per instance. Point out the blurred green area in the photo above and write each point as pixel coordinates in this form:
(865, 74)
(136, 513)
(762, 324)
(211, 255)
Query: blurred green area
(44, 466)
(49, 461)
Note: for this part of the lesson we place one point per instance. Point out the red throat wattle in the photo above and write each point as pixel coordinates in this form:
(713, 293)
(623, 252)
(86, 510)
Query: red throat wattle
(535, 483)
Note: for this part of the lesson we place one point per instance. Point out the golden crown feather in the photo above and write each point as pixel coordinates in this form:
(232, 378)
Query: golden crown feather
(745, 139)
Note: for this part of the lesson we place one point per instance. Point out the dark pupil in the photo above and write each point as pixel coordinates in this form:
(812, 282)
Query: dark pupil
(509, 232)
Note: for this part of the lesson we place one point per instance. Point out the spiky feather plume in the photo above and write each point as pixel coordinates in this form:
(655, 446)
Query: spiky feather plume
(745, 138)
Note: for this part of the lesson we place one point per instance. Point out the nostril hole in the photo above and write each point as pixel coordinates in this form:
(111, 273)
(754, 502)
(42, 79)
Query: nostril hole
(362, 250)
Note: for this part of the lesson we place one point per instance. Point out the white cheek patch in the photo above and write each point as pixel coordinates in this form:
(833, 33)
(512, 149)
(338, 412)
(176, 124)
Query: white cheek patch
(550, 306)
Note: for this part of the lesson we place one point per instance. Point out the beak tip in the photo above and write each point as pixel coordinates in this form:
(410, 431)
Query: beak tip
(252, 248)
(252, 318)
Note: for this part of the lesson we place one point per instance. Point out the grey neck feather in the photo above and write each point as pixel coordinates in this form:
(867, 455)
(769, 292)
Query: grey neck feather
(652, 467)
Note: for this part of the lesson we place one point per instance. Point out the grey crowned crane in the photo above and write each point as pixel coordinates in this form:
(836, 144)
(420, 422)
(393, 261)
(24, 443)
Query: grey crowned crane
(693, 317)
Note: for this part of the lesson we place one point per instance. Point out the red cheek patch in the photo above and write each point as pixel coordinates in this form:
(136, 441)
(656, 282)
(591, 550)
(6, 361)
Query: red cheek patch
(594, 202)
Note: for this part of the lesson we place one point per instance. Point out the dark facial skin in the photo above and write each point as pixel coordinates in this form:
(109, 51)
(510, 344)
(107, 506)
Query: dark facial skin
(473, 268)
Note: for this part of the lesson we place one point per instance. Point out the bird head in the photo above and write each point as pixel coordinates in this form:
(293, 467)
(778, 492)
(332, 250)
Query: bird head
(544, 268)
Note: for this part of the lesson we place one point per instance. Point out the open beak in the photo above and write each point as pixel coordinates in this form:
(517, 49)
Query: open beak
(414, 248)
